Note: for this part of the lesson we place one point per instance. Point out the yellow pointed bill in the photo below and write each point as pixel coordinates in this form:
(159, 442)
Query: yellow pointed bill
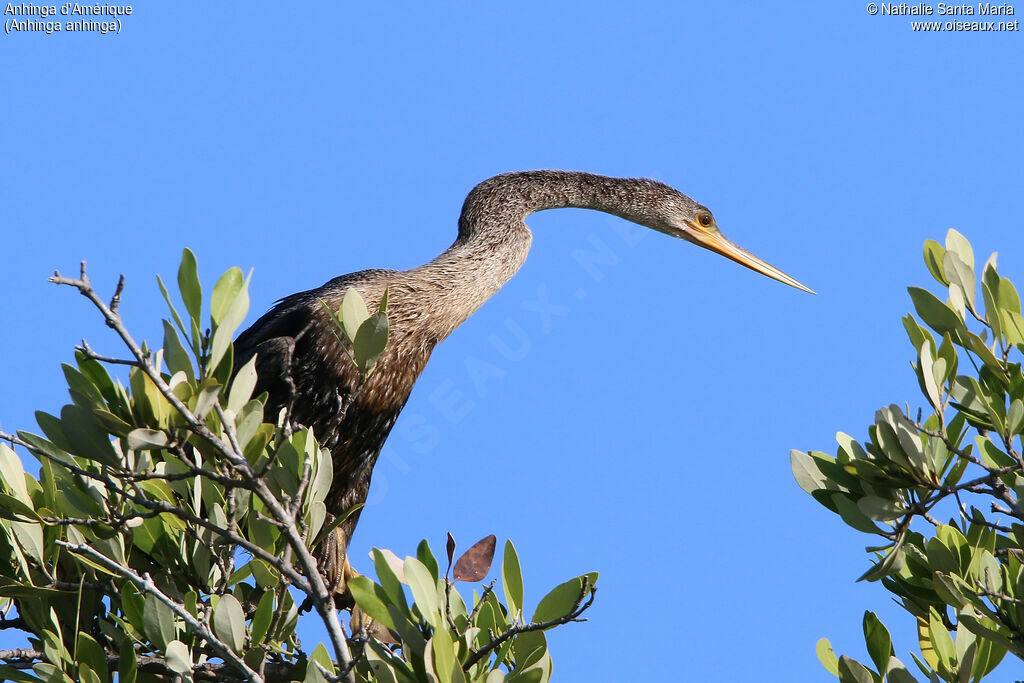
(717, 243)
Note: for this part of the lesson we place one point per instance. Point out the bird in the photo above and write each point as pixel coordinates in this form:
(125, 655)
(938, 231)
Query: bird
(302, 365)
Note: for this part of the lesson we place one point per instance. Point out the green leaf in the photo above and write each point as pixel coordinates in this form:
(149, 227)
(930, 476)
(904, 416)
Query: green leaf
(353, 313)
(262, 617)
(891, 563)
(968, 397)
(133, 605)
(337, 327)
(87, 675)
(852, 514)
(50, 673)
(426, 556)
(370, 340)
(248, 422)
(9, 673)
(852, 671)
(983, 628)
(206, 399)
(990, 654)
(915, 332)
(978, 346)
(424, 591)
(827, 656)
(226, 363)
(188, 283)
(880, 509)
(966, 649)
(897, 673)
(320, 656)
(389, 579)
(9, 588)
(191, 602)
(47, 447)
(878, 640)
(950, 536)
(443, 651)
(1013, 327)
(940, 639)
(1015, 417)
(12, 508)
(512, 580)
(991, 307)
(158, 621)
(228, 309)
(266, 575)
(926, 374)
(961, 277)
(958, 244)
(242, 386)
(112, 423)
(54, 430)
(322, 476)
(89, 437)
(82, 390)
(12, 474)
(89, 652)
(806, 472)
(563, 597)
(175, 355)
(174, 311)
(229, 622)
(531, 655)
(933, 257)
(937, 315)
(1006, 296)
(178, 657)
(146, 439)
(227, 289)
(988, 571)
(371, 598)
(29, 536)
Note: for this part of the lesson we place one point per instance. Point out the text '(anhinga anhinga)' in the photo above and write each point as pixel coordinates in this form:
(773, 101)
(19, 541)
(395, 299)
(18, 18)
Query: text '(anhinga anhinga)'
(300, 363)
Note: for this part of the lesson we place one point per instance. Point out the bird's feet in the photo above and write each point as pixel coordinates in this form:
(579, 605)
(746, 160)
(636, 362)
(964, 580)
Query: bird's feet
(336, 569)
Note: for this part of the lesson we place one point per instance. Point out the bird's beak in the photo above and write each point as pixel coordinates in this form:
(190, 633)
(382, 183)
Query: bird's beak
(717, 243)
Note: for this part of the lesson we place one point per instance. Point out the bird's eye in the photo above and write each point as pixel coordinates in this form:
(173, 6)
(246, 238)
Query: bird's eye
(705, 219)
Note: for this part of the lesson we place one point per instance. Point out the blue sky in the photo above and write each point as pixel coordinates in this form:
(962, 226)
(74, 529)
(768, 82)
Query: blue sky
(642, 431)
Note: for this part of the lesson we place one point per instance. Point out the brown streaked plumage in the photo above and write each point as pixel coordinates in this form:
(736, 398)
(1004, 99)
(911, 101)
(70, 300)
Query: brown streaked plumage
(300, 363)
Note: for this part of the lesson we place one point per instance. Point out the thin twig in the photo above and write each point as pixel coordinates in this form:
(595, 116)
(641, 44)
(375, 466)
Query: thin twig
(163, 506)
(115, 300)
(578, 608)
(92, 355)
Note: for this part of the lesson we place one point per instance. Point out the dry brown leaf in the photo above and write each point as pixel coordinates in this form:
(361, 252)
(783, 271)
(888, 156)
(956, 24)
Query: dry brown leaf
(475, 563)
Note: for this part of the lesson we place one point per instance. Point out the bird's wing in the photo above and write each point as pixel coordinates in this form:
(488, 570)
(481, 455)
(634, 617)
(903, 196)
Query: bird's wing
(272, 340)
(289, 349)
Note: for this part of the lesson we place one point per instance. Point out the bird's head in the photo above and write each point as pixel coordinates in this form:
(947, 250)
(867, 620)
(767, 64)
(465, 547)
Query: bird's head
(679, 216)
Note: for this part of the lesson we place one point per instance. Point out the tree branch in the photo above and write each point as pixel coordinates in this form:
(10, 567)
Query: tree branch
(145, 583)
(578, 608)
(231, 451)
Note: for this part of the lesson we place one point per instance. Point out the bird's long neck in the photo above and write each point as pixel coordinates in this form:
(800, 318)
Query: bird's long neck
(493, 238)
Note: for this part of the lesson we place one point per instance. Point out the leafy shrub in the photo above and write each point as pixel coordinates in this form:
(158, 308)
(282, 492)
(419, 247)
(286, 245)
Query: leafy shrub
(959, 460)
(170, 532)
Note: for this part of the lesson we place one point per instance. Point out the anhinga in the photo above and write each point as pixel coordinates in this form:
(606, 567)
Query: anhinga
(300, 363)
